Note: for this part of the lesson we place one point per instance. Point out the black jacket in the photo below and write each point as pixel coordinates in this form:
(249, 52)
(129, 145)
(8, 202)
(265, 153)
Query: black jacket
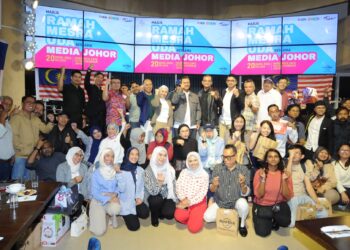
(341, 134)
(325, 138)
(237, 104)
(212, 110)
(95, 105)
(57, 138)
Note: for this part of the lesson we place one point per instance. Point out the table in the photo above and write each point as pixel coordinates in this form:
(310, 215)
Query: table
(312, 228)
(11, 229)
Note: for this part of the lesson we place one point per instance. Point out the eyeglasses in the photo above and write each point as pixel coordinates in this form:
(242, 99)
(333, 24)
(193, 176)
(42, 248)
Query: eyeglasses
(344, 150)
(227, 157)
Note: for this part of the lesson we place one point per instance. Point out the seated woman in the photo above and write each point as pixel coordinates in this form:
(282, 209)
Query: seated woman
(302, 187)
(272, 189)
(293, 116)
(183, 144)
(265, 131)
(342, 173)
(105, 185)
(132, 195)
(112, 141)
(73, 171)
(92, 143)
(191, 190)
(322, 175)
(160, 185)
(161, 140)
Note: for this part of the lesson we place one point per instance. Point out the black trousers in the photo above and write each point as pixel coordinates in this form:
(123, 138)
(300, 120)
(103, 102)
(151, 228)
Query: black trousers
(263, 226)
(132, 221)
(161, 207)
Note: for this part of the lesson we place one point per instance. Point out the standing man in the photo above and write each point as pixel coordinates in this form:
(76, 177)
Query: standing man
(26, 127)
(233, 103)
(281, 87)
(267, 96)
(73, 96)
(341, 129)
(7, 151)
(134, 110)
(251, 106)
(187, 107)
(96, 107)
(319, 130)
(210, 102)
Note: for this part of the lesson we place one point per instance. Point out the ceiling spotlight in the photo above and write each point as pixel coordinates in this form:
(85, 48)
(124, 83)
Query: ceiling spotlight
(28, 63)
(32, 3)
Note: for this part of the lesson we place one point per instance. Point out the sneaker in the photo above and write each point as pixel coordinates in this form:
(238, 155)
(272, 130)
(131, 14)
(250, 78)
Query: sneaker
(114, 221)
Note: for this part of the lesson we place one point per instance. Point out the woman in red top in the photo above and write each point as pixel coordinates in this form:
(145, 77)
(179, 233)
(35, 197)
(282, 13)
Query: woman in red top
(161, 139)
(272, 189)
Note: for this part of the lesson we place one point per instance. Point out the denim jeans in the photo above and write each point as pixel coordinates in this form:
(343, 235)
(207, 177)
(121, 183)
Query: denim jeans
(302, 199)
(19, 169)
(5, 171)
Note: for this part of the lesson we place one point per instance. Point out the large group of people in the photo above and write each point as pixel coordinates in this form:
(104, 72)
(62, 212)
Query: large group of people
(178, 154)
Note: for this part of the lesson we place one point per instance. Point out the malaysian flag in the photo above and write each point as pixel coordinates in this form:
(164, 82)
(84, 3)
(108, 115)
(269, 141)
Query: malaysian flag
(3, 49)
(46, 83)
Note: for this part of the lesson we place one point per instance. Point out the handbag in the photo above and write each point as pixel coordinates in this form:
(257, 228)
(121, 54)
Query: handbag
(80, 224)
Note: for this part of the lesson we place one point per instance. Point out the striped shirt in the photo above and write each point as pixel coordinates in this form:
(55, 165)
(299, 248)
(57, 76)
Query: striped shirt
(229, 190)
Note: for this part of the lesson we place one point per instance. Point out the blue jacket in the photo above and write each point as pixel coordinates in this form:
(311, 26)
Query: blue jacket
(211, 151)
(99, 186)
(145, 105)
(129, 191)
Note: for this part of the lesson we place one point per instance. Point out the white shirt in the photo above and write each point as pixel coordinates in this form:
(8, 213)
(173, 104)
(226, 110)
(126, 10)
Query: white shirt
(6, 137)
(281, 138)
(164, 111)
(342, 174)
(187, 119)
(313, 133)
(226, 108)
(266, 99)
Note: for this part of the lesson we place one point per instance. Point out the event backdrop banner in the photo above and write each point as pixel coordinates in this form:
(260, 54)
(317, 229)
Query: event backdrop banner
(256, 60)
(58, 53)
(108, 28)
(158, 59)
(109, 56)
(60, 23)
(199, 60)
(312, 59)
(319, 29)
(160, 31)
(209, 33)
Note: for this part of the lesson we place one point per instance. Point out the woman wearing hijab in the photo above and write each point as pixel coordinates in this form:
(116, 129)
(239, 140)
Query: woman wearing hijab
(161, 140)
(132, 194)
(112, 141)
(105, 185)
(163, 111)
(73, 171)
(160, 185)
(183, 144)
(191, 190)
(137, 140)
(91, 143)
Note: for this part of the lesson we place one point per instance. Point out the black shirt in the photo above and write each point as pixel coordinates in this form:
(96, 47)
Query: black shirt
(73, 102)
(57, 138)
(181, 152)
(46, 167)
(95, 105)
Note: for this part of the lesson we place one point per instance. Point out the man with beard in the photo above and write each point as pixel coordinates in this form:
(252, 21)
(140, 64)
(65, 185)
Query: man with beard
(341, 129)
(39, 110)
(45, 161)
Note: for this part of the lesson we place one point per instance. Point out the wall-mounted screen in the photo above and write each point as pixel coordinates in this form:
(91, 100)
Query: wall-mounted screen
(158, 59)
(109, 56)
(318, 29)
(256, 32)
(256, 61)
(210, 33)
(199, 60)
(108, 28)
(312, 59)
(162, 31)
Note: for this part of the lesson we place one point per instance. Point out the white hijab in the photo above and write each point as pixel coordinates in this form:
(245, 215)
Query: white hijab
(166, 169)
(107, 171)
(74, 168)
(198, 171)
(134, 139)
